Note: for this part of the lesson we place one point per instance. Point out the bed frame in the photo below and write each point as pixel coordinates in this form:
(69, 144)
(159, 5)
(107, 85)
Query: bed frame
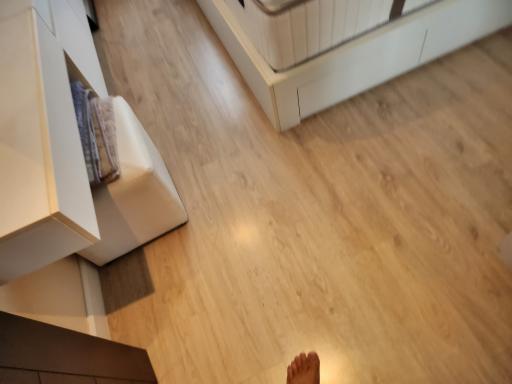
(357, 65)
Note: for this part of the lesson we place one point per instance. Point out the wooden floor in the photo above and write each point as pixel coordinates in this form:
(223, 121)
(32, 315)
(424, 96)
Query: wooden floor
(369, 233)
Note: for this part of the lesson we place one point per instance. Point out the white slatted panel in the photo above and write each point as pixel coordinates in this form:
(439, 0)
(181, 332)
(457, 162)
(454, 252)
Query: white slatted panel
(326, 20)
(298, 19)
(364, 15)
(339, 21)
(283, 39)
(313, 27)
(385, 10)
(351, 18)
(308, 29)
(257, 26)
(374, 14)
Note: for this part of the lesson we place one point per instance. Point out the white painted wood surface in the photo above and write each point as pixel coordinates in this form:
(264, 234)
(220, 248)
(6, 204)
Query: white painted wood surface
(453, 24)
(37, 246)
(10, 8)
(66, 162)
(143, 203)
(53, 295)
(356, 70)
(22, 151)
(67, 20)
(72, 31)
(79, 8)
(93, 299)
(46, 204)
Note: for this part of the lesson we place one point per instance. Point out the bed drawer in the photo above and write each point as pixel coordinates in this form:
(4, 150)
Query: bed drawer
(459, 23)
(361, 65)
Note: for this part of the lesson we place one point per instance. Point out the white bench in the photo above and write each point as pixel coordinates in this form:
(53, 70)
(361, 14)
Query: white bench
(143, 203)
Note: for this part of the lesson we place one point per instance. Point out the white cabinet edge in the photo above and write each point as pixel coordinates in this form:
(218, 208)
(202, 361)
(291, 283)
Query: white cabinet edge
(10, 8)
(68, 188)
(93, 297)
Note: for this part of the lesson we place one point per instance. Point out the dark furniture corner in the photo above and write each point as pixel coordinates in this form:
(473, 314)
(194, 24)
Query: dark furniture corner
(32, 352)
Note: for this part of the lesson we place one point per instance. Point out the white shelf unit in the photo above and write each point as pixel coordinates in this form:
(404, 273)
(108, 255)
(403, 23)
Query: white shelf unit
(46, 206)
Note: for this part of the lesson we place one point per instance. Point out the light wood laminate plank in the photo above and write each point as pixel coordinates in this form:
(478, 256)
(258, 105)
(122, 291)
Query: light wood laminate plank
(369, 233)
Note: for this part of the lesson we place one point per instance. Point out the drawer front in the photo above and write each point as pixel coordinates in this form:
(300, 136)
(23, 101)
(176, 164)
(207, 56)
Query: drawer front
(362, 64)
(454, 24)
(76, 40)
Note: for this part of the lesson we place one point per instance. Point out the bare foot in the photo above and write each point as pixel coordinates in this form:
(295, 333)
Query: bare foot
(304, 369)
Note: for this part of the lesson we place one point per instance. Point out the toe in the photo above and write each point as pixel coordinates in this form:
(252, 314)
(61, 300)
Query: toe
(289, 374)
(298, 362)
(294, 368)
(313, 359)
(302, 359)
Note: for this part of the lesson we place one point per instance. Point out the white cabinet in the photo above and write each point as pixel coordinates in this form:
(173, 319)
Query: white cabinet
(10, 8)
(46, 208)
(356, 71)
(72, 31)
(79, 8)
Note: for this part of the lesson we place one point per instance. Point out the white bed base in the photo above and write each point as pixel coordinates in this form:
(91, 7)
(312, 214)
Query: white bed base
(413, 40)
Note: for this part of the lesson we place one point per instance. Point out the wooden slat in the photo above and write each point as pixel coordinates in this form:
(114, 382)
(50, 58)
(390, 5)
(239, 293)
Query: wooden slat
(29, 344)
